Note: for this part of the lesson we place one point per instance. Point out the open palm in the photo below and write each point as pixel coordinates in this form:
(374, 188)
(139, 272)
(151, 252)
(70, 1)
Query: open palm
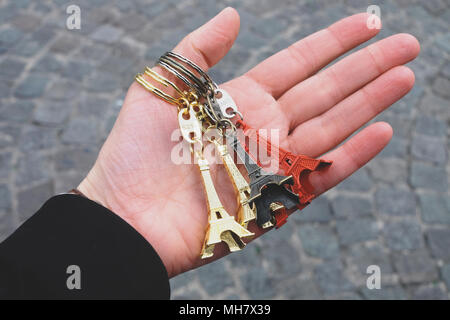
(135, 177)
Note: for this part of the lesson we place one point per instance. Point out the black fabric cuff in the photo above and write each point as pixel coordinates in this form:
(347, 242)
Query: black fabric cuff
(114, 260)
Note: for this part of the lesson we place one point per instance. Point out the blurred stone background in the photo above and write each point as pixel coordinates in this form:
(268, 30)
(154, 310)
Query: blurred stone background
(60, 91)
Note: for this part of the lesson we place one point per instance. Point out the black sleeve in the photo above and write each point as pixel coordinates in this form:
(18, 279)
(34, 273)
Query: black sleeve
(74, 248)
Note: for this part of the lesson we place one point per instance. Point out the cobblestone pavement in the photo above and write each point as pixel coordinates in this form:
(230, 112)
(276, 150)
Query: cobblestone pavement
(60, 91)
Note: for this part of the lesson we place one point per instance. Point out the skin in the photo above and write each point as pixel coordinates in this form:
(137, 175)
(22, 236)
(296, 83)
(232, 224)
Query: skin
(315, 111)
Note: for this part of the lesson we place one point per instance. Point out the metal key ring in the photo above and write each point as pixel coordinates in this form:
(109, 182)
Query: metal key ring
(178, 75)
(184, 70)
(192, 65)
(185, 75)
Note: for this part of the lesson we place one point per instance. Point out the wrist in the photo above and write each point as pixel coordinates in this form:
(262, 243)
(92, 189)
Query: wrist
(89, 190)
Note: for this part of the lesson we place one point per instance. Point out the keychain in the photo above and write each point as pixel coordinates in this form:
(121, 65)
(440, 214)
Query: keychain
(266, 197)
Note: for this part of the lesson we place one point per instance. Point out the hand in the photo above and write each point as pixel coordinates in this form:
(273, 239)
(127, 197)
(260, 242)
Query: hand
(315, 111)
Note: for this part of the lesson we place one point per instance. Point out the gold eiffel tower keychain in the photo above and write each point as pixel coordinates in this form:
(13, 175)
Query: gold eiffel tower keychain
(221, 225)
(246, 212)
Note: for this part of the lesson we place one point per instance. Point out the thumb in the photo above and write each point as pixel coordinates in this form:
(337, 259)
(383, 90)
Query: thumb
(205, 46)
(211, 42)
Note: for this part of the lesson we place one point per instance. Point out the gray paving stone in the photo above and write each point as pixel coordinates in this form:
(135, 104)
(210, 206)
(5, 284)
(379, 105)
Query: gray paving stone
(300, 289)
(439, 242)
(441, 86)
(356, 230)
(236, 57)
(258, 284)
(214, 278)
(155, 10)
(32, 87)
(445, 71)
(434, 105)
(435, 208)
(445, 272)
(428, 177)
(249, 258)
(359, 181)
(403, 235)
(8, 12)
(11, 68)
(6, 225)
(250, 40)
(43, 8)
(318, 211)
(107, 34)
(66, 43)
(415, 267)
(5, 198)
(63, 90)
(52, 113)
(9, 134)
(48, 63)
(9, 37)
(390, 170)
(434, 6)
(32, 168)
(345, 296)
(191, 294)
(26, 48)
(44, 34)
(442, 42)
(26, 22)
(361, 257)
(220, 75)
(282, 257)
(395, 201)
(429, 149)
(407, 104)
(66, 181)
(93, 105)
(6, 164)
(35, 138)
(110, 123)
(402, 124)
(4, 88)
(96, 52)
(430, 292)
(384, 293)
(331, 279)
(397, 148)
(431, 126)
(351, 207)
(118, 64)
(77, 70)
(154, 52)
(285, 233)
(131, 21)
(183, 279)
(20, 111)
(30, 200)
(319, 241)
(80, 159)
(80, 131)
(102, 82)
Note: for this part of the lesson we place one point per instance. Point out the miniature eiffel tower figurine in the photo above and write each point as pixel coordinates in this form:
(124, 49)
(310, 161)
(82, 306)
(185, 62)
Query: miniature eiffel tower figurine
(246, 211)
(221, 226)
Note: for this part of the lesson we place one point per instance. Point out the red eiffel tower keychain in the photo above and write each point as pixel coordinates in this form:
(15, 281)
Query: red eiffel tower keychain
(298, 166)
